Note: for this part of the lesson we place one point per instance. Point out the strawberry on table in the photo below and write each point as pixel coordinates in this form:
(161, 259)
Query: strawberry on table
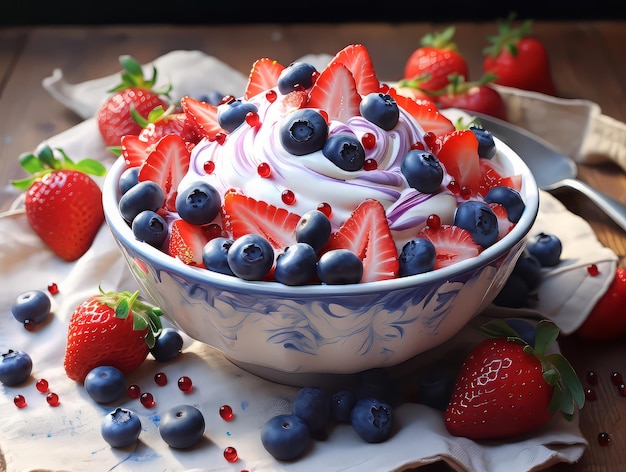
(113, 328)
(507, 387)
(134, 92)
(518, 60)
(63, 203)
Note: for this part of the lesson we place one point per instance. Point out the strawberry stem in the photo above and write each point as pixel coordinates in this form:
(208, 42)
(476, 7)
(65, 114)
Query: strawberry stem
(508, 36)
(133, 77)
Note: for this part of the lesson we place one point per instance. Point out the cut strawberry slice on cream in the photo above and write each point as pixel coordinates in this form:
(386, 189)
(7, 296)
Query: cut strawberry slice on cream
(335, 93)
(452, 244)
(425, 112)
(357, 60)
(458, 152)
(263, 76)
(187, 240)
(203, 116)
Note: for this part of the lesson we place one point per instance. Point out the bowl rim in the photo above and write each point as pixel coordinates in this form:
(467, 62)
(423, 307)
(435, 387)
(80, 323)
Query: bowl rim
(122, 231)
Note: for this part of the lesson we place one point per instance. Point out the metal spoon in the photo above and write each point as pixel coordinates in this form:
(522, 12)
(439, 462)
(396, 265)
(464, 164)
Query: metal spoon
(552, 170)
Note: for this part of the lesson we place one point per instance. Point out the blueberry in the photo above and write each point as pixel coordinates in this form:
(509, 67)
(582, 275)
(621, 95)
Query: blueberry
(377, 383)
(198, 203)
(345, 151)
(372, 420)
(380, 109)
(422, 170)
(339, 266)
(121, 427)
(341, 405)
(418, 256)
(304, 131)
(528, 268)
(510, 199)
(128, 179)
(33, 306)
(479, 220)
(514, 293)
(298, 75)
(232, 114)
(435, 388)
(213, 97)
(182, 426)
(285, 437)
(15, 367)
(250, 257)
(146, 195)
(105, 384)
(312, 404)
(486, 144)
(167, 345)
(297, 265)
(546, 248)
(150, 227)
(215, 255)
(526, 329)
(314, 228)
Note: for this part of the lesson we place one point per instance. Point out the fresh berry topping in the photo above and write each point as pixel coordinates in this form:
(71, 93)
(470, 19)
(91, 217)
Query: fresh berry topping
(486, 144)
(452, 244)
(510, 199)
(422, 170)
(263, 76)
(203, 117)
(357, 60)
(314, 228)
(345, 151)
(297, 265)
(304, 131)
(335, 92)
(340, 267)
(251, 257)
(479, 220)
(231, 115)
(425, 112)
(215, 255)
(380, 109)
(458, 152)
(186, 242)
(150, 227)
(418, 256)
(198, 203)
(296, 76)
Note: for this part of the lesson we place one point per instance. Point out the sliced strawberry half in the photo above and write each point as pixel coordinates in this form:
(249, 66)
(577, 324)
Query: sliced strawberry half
(202, 116)
(366, 233)
(458, 152)
(425, 112)
(504, 224)
(263, 76)
(357, 60)
(335, 93)
(166, 166)
(490, 177)
(452, 244)
(243, 215)
(134, 150)
(186, 242)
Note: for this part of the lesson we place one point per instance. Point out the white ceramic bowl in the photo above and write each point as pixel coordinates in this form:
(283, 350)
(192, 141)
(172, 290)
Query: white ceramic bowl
(318, 329)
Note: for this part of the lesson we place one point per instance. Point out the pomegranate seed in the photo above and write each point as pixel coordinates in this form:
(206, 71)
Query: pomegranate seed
(616, 378)
(133, 391)
(252, 118)
(592, 378)
(213, 230)
(590, 395)
(42, 385)
(220, 137)
(230, 454)
(430, 138)
(593, 270)
(226, 412)
(368, 140)
(264, 170)
(185, 384)
(604, 439)
(147, 400)
(325, 208)
(433, 221)
(271, 96)
(370, 164)
(621, 389)
(466, 192)
(454, 187)
(288, 197)
(209, 167)
(52, 399)
(29, 326)
(419, 146)
(20, 401)
(53, 288)
(160, 379)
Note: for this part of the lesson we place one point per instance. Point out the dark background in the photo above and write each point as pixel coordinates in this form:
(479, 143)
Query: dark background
(64, 12)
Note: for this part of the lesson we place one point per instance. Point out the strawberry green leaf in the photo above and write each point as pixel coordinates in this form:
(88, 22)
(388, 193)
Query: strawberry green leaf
(90, 166)
(546, 335)
(568, 377)
(122, 308)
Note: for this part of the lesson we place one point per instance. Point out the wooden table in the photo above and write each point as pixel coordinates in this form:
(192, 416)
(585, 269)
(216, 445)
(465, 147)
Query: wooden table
(587, 58)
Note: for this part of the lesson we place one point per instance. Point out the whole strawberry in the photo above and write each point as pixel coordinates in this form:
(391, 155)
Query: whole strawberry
(134, 92)
(507, 387)
(63, 203)
(113, 328)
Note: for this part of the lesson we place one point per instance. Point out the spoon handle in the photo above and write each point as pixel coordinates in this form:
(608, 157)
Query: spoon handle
(615, 209)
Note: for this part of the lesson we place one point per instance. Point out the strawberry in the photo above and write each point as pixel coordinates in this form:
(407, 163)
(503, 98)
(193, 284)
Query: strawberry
(507, 387)
(490, 177)
(518, 60)
(366, 233)
(504, 224)
(134, 150)
(202, 116)
(429, 66)
(63, 203)
(357, 60)
(187, 240)
(166, 166)
(263, 76)
(452, 244)
(114, 115)
(161, 122)
(244, 215)
(335, 92)
(115, 329)
(425, 112)
(458, 152)
(606, 320)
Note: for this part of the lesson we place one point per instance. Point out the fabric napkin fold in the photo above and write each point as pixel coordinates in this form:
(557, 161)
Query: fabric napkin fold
(68, 436)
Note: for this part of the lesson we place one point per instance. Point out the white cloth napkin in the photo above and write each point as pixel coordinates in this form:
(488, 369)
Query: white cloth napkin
(67, 437)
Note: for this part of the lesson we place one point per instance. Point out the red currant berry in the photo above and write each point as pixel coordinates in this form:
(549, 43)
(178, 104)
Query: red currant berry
(20, 401)
(264, 170)
(604, 439)
(133, 391)
(30, 326)
(592, 378)
(433, 221)
(590, 395)
(616, 378)
(418, 146)
(209, 167)
(593, 270)
(368, 140)
(52, 399)
(160, 379)
(185, 384)
(325, 208)
(42, 385)
(271, 96)
(621, 389)
(288, 197)
(430, 138)
(220, 137)
(466, 192)
(454, 187)
(226, 412)
(147, 400)
(230, 454)
(53, 289)
(252, 118)
(370, 164)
